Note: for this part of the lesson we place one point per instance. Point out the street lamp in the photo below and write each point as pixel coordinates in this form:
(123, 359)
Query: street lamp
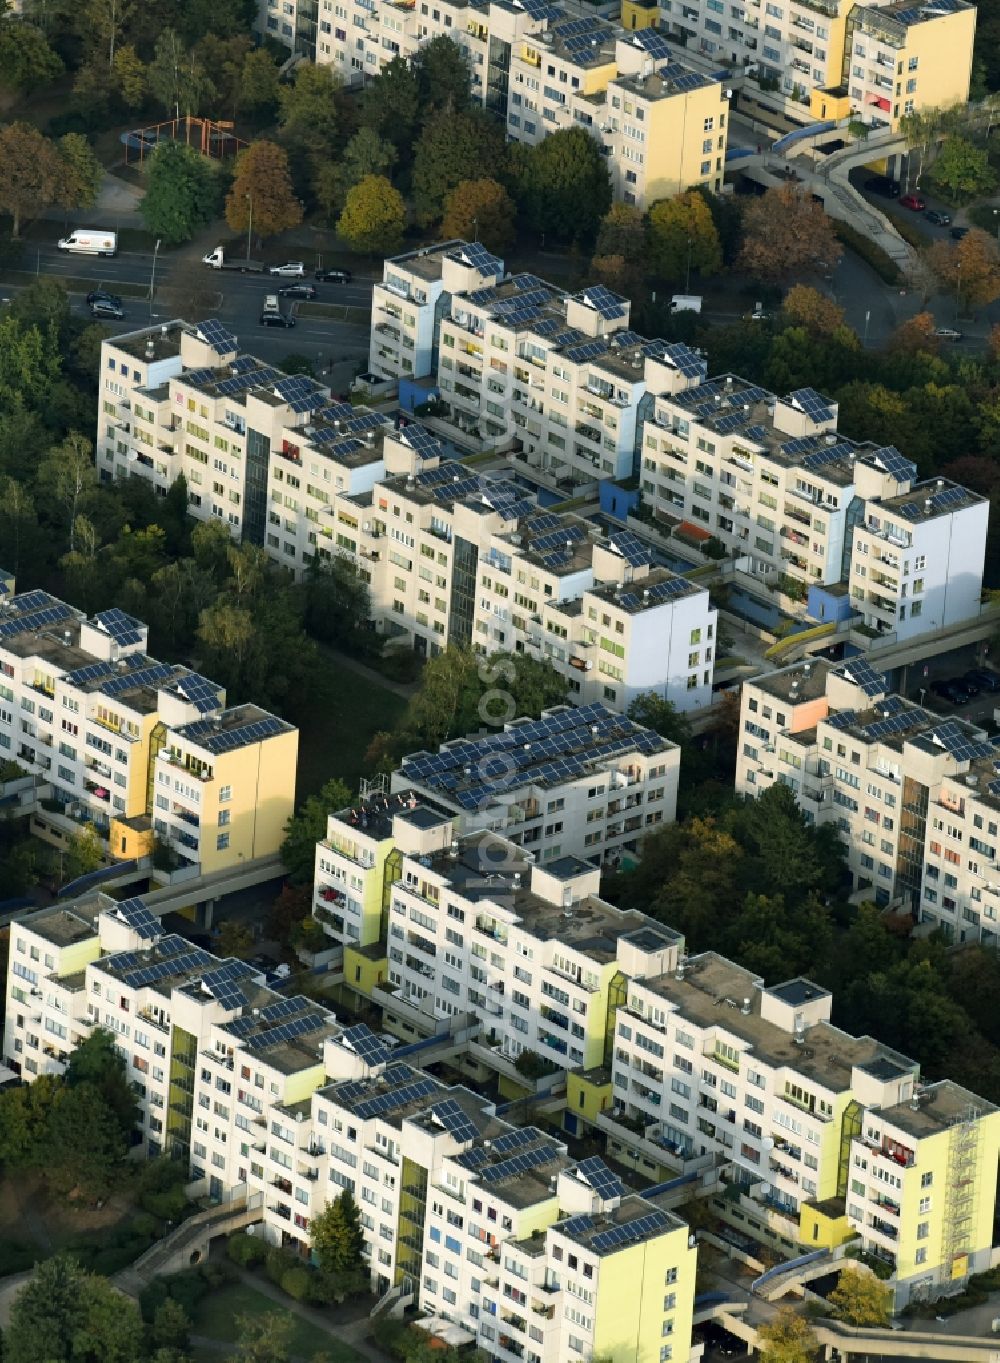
(152, 275)
(249, 199)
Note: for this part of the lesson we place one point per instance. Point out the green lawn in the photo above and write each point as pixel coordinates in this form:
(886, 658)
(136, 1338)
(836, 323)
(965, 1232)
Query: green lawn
(216, 1315)
(335, 737)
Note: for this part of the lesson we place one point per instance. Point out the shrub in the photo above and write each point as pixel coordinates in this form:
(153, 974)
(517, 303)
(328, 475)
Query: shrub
(297, 1282)
(188, 1288)
(219, 1274)
(277, 1264)
(246, 1250)
(152, 1297)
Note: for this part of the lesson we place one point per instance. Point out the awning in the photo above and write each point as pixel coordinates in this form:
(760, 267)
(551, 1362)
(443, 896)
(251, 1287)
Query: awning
(692, 532)
(446, 1331)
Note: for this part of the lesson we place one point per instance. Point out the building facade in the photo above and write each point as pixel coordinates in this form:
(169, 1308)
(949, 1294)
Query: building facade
(137, 749)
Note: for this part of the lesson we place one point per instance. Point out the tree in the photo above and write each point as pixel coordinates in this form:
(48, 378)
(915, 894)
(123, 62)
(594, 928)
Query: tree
(130, 76)
(31, 172)
(366, 154)
(309, 117)
(862, 1299)
(971, 267)
(682, 236)
(259, 81)
(391, 103)
(480, 210)
(234, 939)
(82, 172)
(176, 77)
(963, 169)
(374, 217)
(622, 233)
(262, 1339)
(182, 193)
(68, 473)
(97, 1062)
(64, 1315)
(915, 336)
(105, 21)
(787, 233)
(787, 1338)
(26, 60)
(452, 148)
(808, 307)
(308, 827)
(85, 852)
(564, 186)
(337, 1238)
(263, 180)
(442, 71)
(662, 716)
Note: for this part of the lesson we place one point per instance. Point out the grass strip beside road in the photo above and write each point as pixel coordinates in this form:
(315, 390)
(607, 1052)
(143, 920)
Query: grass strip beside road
(21, 279)
(337, 312)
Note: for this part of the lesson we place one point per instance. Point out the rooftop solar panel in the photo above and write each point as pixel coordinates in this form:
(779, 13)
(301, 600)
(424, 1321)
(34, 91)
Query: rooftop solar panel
(135, 915)
(861, 673)
(123, 629)
(213, 333)
(597, 1174)
(455, 1120)
(813, 404)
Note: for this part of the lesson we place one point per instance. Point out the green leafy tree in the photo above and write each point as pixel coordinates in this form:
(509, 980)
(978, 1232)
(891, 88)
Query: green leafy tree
(171, 1326)
(308, 827)
(963, 169)
(365, 154)
(660, 715)
(443, 76)
(563, 185)
(374, 217)
(258, 82)
(27, 61)
(82, 172)
(862, 1299)
(309, 116)
(234, 939)
(64, 1315)
(182, 193)
(787, 1338)
(129, 73)
(453, 148)
(85, 852)
(390, 104)
(682, 233)
(262, 1339)
(69, 476)
(480, 210)
(176, 78)
(337, 1238)
(104, 22)
(262, 190)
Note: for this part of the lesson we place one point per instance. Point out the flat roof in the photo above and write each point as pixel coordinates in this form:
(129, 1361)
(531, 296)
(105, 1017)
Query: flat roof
(374, 816)
(802, 681)
(936, 1108)
(673, 78)
(239, 727)
(519, 1166)
(928, 501)
(63, 927)
(658, 588)
(633, 1222)
(165, 338)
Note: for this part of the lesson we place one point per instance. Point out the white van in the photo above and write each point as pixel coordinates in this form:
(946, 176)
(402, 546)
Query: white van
(90, 241)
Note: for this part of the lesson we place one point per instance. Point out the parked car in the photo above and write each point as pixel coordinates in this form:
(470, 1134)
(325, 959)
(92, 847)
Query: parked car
(970, 686)
(293, 268)
(882, 184)
(297, 291)
(332, 276)
(914, 202)
(939, 219)
(951, 690)
(102, 296)
(985, 678)
(106, 307)
(957, 233)
(947, 334)
(276, 319)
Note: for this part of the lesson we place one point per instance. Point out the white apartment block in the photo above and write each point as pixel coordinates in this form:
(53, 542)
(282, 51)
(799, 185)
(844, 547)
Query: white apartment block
(579, 782)
(133, 747)
(915, 798)
(814, 1126)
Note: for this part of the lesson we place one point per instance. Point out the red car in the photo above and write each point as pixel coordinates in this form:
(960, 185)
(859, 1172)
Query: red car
(913, 201)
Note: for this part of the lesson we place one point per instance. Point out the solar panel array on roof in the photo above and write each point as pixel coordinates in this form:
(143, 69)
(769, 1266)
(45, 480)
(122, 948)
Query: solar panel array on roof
(420, 440)
(994, 788)
(681, 357)
(213, 333)
(543, 520)
(684, 78)
(123, 629)
(890, 459)
(194, 378)
(959, 743)
(82, 676)
(242, 363)
(33, 621)
(152, 971)
(860, 672)
(207, 735)
(397, 1097)
(518, 1164)
(149, 675)
(604, 302)
(455, 1120)
(134, 914)
(198, 691)
(655, 593)
(474, 253)
(618, 1237)
(284, 1031)
(730, 421)
(890, 724)
(589, 350)
(844, 719)
(251, 378)
(222, 983)
(26, 603)
(827, 454)
(597, 1174)
(514, 1140)
(653, 43)
(815, 406)
(365, 1044)
(630, 547)
(283, 1008)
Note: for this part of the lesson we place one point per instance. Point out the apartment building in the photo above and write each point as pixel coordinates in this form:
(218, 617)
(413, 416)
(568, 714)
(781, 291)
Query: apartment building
(261, 451)
(824, 1135)
(136, 748)
(580, 782)
(915, 798)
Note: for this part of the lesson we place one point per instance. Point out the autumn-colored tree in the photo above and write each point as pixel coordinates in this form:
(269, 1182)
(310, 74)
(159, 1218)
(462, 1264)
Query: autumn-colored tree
(31, 172)
(263, 189)
(682, 234)
(480, 210)
(807, 307)
(915, 336)
(862, 1299)
(622, 233)
(617, 273)
(787, 1338)
(374, 217)
(366, 154)
(129, 73)
(787, 233)
(970, 267)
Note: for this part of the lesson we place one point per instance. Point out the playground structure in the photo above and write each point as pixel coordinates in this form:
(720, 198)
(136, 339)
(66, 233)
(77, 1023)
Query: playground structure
(212, 138)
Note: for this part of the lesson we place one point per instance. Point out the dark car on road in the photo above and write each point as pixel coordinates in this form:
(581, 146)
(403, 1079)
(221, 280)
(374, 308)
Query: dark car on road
(985, 678)
(939, 219)
(332, 276)
(951, 689)
(884, 185)
(106, 307)
(297, 291)
(102, 296)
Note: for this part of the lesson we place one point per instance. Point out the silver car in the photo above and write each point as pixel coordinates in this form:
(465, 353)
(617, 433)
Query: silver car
(293, 269)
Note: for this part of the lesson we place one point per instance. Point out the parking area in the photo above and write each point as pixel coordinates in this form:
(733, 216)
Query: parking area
(975, 674)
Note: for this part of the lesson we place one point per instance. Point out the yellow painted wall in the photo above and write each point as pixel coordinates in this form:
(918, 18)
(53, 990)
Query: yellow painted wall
(124, 842)
(636, 16)
(629, 1306)
(943, 48)
(595, 79)
(261, 777)
(676, 132)
(303, 1083)
(586, 1099)
(822, 104)
(361, 973)
(817, 1230)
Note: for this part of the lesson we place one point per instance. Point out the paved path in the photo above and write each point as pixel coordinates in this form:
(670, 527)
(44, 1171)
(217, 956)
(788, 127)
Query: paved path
(351, 1332)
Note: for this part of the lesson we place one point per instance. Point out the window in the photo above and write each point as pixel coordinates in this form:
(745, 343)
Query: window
(222, 842)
